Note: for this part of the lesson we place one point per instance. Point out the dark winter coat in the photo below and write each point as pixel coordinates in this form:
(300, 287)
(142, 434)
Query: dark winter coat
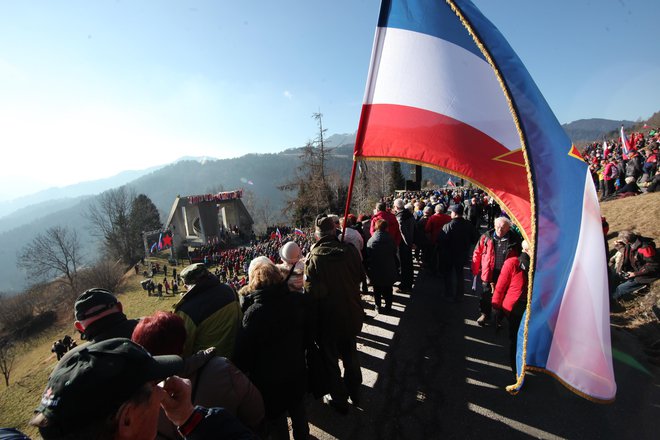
(111, 326)
(271, 347)
(407, 226)
(459, 236)
(381, 259)
(333, 272)
(474, 212)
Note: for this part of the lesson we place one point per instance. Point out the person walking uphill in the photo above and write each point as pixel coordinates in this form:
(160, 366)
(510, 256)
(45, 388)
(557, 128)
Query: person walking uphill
(510, 296)
(459, 235)
(210, 310)
(406, 223)
(332, 280)
(381, 265)
(492, 249)
(271, 349)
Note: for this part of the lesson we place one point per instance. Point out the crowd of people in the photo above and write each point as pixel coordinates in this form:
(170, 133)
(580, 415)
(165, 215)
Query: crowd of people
(623, 171)
(258, 327)
(622, 168)
(238, 363)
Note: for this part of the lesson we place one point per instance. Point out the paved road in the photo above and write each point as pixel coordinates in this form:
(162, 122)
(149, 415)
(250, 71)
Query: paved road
(431, 373)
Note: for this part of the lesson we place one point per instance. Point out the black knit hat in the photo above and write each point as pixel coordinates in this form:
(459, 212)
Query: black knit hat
(92, 302)
(95, 381)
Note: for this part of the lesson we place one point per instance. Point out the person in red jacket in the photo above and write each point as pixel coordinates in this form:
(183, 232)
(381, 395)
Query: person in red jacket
(510, 296)
(393, 224)
(490, 253)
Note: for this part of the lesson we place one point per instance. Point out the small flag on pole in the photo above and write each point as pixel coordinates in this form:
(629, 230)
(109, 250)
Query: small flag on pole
(625, 144)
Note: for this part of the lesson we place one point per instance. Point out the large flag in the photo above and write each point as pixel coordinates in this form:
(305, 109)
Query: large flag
(446, 90)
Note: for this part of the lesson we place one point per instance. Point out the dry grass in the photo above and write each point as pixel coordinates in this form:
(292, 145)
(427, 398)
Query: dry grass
(35, 360)
(640, 214)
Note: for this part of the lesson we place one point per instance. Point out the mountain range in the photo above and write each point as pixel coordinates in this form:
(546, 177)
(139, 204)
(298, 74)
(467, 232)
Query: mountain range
(261, 174)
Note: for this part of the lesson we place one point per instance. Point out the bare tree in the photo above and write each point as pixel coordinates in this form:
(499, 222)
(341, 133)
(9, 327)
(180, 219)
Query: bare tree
(110, 218)
(7, 358)
(54, 254)
(311, 183)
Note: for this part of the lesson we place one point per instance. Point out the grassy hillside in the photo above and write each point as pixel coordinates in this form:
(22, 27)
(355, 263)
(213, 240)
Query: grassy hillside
(641, 214)
(30, 373)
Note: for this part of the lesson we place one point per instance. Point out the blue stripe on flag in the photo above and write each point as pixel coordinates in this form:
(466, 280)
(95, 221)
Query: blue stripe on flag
(559, 195)
(431, 18)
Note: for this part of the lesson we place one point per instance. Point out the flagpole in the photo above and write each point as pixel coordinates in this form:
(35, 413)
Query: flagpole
(348, 199)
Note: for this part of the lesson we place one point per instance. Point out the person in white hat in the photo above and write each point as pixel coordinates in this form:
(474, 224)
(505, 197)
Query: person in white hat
(292, 266)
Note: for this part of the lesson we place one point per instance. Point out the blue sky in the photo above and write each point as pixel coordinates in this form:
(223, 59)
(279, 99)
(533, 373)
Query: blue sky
(90, 88)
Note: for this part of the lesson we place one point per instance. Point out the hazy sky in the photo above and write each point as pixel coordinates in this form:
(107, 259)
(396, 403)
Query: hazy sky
(90, 88)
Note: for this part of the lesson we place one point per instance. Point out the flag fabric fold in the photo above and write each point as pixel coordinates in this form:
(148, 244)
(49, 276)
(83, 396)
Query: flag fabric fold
(446, 90)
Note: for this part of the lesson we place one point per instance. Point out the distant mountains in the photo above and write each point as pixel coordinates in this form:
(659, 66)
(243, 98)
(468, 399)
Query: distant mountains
(23, 218)
(588, 130)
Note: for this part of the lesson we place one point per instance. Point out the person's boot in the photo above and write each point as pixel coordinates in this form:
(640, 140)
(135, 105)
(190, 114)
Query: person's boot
(481, 320)
(340, 407)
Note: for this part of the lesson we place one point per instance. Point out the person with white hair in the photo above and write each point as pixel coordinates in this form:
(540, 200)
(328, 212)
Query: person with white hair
(270, 348)
(629, 189)
(492, 249)
(292, 266)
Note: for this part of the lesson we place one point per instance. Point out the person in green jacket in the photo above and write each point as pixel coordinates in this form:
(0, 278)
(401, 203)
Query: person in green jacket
(210, 311)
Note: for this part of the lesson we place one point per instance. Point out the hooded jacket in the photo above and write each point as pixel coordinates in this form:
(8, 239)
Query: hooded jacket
(511, 288)
(212, 316)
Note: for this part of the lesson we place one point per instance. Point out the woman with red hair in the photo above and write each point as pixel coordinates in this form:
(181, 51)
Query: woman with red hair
(216, 382)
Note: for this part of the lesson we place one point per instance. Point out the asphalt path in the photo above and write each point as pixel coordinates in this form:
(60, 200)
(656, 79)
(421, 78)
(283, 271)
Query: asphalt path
(430, 372)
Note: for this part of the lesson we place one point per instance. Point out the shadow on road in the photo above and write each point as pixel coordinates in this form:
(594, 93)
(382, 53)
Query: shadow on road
(430, 372)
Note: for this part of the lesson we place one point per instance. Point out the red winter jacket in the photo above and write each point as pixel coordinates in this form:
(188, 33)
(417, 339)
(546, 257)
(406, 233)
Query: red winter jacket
(511, 285)
(392, 225)
(434, 225)
(483, 257)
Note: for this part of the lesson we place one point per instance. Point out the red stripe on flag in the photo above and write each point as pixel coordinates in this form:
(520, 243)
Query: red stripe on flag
(395, 131)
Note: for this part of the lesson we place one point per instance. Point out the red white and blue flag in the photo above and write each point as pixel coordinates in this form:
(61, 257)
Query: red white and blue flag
(446, 90)
(278, 234)
(625, 144)
(298, 232)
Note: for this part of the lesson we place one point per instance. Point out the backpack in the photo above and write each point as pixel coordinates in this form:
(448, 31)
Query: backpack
(614, 172)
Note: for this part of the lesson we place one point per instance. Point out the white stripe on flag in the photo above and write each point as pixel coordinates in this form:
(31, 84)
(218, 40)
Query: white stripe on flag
(422, 71)
(580, 352)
